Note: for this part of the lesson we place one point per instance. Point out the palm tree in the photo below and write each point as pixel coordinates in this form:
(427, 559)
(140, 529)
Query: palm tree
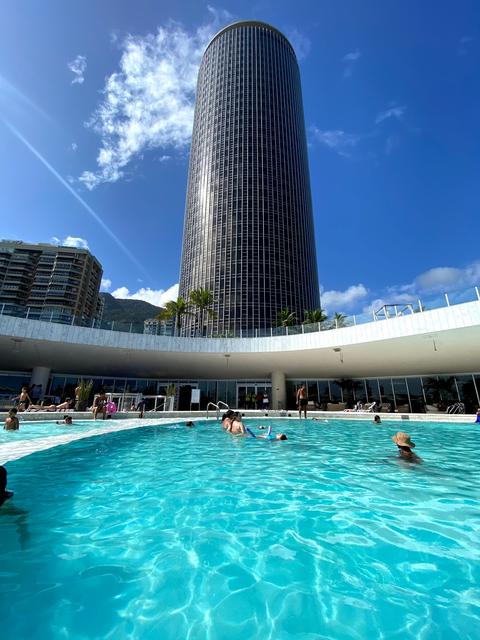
(202, 300)
(286, 318)
(175, 309)
(339, 320)
(441, 388)
(315, 316)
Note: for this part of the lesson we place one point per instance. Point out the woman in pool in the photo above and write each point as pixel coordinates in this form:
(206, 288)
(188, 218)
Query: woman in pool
(405, 446)
(227, 419)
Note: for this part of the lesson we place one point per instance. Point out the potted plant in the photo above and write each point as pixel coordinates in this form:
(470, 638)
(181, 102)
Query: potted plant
(83, 392)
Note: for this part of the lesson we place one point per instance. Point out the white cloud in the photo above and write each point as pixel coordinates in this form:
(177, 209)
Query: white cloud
(432, 282)
(157, 297)
(70, 241)
(78, 66)
(148, 102)
(336, 139)
(340, 300)
(105, 284)
(352, 56)
(350, 60)
(299, 42)
(464, 45)
(392, 112)
(74, 146)
(448, 278)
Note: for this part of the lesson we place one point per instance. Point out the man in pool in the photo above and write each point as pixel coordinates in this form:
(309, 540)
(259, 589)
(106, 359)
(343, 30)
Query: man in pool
(405, 446)
(227, 419)
(4, 494)
(66, 420)
(237, 428)
(377, 420)
(12, 423)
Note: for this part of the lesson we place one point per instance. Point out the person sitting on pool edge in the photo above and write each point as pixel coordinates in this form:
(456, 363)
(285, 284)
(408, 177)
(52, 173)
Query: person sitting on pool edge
(405, 446)
(377, 420)
(99, 405)
(478, 415)
(12, 423)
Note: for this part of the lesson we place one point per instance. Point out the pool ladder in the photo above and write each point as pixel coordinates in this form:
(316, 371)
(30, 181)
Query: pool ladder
(217, 407)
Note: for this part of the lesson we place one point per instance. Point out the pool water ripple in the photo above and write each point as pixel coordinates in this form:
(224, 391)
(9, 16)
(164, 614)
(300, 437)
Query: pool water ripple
(189, 533)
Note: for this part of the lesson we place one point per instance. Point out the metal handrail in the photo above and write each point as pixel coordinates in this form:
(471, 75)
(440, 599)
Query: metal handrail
(217, 407)
(212, 404)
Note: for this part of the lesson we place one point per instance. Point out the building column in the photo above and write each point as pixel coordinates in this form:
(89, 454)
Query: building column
(279, 391)
(40, 375)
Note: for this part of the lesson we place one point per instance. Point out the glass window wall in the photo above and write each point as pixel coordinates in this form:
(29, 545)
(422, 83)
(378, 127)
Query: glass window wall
(386, 394)
(415, 391)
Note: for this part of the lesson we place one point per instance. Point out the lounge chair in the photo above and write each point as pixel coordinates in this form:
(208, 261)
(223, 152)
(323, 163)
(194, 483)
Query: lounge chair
(432, 408)
(336, 406)
(385, 407)
(403, 408)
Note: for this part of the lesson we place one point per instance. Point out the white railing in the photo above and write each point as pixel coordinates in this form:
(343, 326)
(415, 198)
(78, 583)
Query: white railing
(337, 321)
(217, 407)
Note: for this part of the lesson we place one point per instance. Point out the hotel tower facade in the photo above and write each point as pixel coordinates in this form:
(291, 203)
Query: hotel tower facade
(248, 234)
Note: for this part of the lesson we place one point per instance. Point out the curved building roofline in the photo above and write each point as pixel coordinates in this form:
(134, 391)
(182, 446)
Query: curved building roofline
(250, 23)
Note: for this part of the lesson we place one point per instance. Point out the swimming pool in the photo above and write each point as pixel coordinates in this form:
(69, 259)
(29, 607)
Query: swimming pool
(190, 533)
(42, 429)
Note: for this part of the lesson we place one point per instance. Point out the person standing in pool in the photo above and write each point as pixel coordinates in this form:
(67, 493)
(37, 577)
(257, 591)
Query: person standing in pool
(237, 427)
(4, 494)
(302, 401)
(405, 446)
(12, 423)
(227, 420)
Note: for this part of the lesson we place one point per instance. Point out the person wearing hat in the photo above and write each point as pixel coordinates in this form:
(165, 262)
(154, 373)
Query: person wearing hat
(405, 446)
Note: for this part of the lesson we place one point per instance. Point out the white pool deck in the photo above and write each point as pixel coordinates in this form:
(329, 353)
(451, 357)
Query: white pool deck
(20, 449)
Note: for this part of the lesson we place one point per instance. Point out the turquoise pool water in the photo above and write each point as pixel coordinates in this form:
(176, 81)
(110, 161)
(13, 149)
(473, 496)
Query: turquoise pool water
(41, 429)
(176, 533)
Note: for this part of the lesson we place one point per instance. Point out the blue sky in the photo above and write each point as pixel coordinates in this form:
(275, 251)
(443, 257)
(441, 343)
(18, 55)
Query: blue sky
(96, 107)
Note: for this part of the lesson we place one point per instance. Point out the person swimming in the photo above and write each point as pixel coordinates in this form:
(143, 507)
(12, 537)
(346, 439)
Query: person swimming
(267, 436)
(377, 420)
(405, 446)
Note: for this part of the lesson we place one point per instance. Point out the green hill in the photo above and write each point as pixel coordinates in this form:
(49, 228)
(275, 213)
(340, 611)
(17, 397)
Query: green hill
(127, 310)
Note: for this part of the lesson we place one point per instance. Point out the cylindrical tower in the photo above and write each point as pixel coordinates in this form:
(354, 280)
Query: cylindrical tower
(248, 235)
